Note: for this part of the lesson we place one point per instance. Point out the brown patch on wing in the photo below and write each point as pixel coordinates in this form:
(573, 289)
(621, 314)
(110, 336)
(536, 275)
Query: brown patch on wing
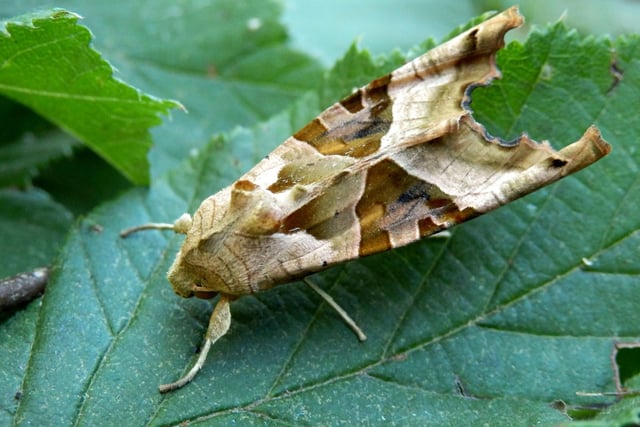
(244, 185)
(312, 131)
(386, 183)
(354, 126)
(427, 227)
(397, 208)
(353, 103)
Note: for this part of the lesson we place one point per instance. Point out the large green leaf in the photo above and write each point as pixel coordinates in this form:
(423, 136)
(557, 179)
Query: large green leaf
(225, 60)
(48, 65)
(516, 310)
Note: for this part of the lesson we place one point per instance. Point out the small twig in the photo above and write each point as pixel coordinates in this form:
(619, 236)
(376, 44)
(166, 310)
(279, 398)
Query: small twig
(22, 288)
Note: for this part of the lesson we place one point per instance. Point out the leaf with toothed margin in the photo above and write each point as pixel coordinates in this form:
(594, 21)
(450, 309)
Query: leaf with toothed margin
(516, 310)
(47, 64)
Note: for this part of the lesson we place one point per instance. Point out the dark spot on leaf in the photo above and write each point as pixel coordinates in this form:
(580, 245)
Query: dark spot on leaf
(617, 73)
(461, 390)
(559, 405)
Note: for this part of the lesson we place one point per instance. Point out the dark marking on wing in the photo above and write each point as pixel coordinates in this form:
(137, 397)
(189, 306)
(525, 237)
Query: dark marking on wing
(353, 103)
(312, 131)
(472, 40)
(417, 192)
(558, 163)
(387, 184)
(393, 198)
(359, 133)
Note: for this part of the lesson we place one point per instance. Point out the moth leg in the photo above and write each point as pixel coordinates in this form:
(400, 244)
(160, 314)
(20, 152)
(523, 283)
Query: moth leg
(347, 319)
(181, 226)
(218, 326)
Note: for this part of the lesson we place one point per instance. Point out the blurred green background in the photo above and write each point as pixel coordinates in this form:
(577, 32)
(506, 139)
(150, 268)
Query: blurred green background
(325, 28)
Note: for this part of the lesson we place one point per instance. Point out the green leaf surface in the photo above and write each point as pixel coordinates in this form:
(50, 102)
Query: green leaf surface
(514, 311)
(33, 226)
(33, 231)
(81, 182)
(49, 66)
(27, 142)
(20, 160)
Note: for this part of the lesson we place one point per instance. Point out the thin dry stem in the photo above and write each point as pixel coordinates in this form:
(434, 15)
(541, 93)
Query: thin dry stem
(149, 226)
(347, 319)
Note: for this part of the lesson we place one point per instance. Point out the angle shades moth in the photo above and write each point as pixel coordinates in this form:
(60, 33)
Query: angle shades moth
(397, 160)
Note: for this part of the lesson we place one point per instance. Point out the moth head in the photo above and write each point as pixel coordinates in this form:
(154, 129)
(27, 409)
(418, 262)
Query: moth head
(188, 274)
(188, 280)
(215, 256)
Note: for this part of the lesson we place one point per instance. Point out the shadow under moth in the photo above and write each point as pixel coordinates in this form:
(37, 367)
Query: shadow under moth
(397, 160)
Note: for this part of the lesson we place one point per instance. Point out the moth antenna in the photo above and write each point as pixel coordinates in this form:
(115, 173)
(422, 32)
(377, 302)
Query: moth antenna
(181, 226)
(218, 326)
(347, 319)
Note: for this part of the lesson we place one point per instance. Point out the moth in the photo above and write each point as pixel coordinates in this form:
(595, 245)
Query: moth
(399, 159)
